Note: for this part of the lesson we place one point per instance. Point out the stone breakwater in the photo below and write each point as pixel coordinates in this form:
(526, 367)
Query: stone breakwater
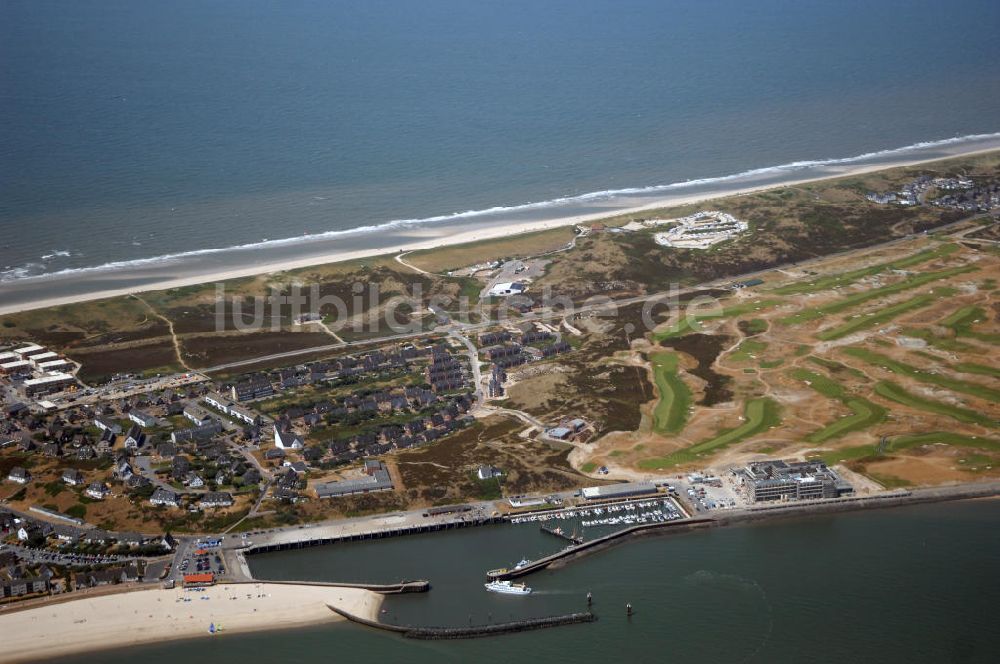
(472, 632)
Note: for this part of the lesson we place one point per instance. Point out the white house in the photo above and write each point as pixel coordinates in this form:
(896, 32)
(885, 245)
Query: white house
(216, 499)
(507, 288)
(142, 419)
(97, 491)
(162, 497)
(19, 475)
(107, 425)
(287, 440)
(72, 477)
(488, 472)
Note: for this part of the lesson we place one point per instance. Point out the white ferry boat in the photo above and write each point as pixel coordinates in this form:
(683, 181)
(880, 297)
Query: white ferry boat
(508, 588)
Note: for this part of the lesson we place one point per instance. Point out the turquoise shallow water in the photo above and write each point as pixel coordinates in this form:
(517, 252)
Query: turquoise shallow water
(914, 584)
(131, 129)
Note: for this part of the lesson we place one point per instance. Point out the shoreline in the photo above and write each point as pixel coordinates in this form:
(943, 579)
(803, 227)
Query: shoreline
(157, 615)
(29, 293)
(94, 624)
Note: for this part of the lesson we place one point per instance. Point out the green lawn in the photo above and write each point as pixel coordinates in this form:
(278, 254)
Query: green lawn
(671, 412)
(962, 322)
(819, 382)
(894, 392)
(836, 367)
(944, 343)
(885, 315)
(864, 413)
(690, 321)
(899, 443)
(747, 350)
(847, 278)
(903, 369)
(979, 369)
(759, 415)
(854, 300)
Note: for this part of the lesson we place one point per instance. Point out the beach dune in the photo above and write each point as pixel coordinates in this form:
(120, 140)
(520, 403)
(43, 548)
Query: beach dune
(131, 618)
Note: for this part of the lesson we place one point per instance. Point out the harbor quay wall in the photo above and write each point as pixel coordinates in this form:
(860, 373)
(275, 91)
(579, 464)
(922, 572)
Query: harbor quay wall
(782, 510)
(382, 533)
(858, 503)
(578, 551)
(475, 631)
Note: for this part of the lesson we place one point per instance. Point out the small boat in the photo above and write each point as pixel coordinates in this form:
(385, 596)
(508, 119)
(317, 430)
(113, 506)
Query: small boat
(508, 588)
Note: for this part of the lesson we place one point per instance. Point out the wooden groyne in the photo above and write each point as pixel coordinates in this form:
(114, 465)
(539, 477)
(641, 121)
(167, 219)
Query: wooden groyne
(472, 632)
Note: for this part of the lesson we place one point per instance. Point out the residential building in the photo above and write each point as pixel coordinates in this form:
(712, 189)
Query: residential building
(164, 498)
(72, 477)
(19, 475)
(216, 499)
(286, 439)
(97, 491)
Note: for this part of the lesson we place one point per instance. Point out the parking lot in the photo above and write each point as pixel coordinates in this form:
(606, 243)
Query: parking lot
(200, 557)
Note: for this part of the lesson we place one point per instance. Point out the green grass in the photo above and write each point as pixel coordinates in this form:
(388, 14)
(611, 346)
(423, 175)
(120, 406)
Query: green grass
(489, 489)
(979, 369)
(692, 319)
(847, 278)
(894, 392)
(854, 300)
(963, 320)
(771, 364)
(588, 467)
(756, 326)
(864, 413)
(884, 315)
(836, 367)
(890, 482)
(903, 369)
(820, 383)
(759, 414)
(906, 441)
(944, 343)
(747, 350)
(671, 411)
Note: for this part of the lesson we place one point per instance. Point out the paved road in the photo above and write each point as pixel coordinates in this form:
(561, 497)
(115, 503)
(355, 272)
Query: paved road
(473, 355)
(49, 557)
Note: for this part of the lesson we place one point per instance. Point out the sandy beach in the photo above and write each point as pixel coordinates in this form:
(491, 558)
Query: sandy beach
(126, 619)
(89, 284)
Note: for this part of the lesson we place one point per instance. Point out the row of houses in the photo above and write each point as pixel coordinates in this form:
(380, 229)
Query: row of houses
(209, 500)
(232, 409)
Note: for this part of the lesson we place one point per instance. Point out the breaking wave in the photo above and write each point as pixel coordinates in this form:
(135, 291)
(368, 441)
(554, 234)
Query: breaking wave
(25, 272)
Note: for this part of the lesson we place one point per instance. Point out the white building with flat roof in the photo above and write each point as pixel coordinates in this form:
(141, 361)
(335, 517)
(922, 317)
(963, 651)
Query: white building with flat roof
(53, 365)
(17, 366)
(29, 350)
(52, 382)
(47, 356)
